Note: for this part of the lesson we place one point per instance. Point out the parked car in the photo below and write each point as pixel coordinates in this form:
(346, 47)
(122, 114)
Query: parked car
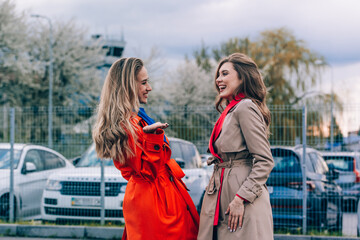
(32, 166)
(75, 194)
(209, 169)
(348, 166)
(285, 186)
(196, 177)
(204, 158)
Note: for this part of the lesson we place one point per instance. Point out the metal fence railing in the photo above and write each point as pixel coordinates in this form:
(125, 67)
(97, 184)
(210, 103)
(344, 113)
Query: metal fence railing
(332, 187)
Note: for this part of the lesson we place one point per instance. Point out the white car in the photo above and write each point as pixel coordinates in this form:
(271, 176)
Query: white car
(196, 177)
(32, 166)
(75, 194)
(347, 164)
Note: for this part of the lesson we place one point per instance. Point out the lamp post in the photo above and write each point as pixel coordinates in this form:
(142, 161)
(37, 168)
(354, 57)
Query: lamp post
(50, 121)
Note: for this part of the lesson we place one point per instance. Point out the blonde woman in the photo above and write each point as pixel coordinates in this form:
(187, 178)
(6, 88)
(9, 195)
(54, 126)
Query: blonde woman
(156, 203)
(236, 204)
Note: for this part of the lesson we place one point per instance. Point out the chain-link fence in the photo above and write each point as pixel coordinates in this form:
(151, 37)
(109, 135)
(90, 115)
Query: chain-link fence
(79, 194)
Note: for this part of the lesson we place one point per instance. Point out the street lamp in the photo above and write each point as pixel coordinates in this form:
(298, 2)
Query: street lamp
(50, 142)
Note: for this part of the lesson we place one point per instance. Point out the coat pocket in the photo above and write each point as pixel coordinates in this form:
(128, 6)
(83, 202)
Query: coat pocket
(152, 151)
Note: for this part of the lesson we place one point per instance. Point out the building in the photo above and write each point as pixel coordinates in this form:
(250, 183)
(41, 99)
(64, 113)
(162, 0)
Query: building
(114, 48)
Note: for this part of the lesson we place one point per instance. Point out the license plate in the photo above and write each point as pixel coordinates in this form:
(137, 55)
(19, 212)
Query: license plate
(94, 202)
(270, 189)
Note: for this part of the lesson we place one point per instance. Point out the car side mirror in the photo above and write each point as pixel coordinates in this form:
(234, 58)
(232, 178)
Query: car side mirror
(181, 162)
(333, 173)
(29, 167)
(75, 160)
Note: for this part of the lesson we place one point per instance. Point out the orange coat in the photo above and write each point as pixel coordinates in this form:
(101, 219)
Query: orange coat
(156, 203)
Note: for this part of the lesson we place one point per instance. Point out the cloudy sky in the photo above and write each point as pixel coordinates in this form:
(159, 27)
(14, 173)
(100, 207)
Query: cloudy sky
(329, 27)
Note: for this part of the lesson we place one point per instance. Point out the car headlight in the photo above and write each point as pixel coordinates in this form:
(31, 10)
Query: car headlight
(53, 185)
(122, 188)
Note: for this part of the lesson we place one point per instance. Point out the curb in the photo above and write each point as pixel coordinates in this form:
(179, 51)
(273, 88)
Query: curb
(302, 237)
(82, 232)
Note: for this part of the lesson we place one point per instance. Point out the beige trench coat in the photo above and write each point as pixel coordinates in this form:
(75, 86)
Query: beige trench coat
(245, 149)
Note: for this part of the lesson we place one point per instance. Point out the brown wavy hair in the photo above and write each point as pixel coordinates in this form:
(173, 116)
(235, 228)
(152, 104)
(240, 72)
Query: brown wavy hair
(252, 86)
(119, 102)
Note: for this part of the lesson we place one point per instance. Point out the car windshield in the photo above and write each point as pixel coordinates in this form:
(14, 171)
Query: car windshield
(319, 163)
(285, 162)
(184, 151)
(5, 158)
(90, 159)
(341, 163)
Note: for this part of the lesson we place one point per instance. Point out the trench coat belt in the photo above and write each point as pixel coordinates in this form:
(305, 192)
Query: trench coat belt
(219, 165)
(170, 169)
(161, 172)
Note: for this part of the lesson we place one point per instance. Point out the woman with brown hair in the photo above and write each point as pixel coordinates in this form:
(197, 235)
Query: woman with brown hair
(236, 204)
(156, 203)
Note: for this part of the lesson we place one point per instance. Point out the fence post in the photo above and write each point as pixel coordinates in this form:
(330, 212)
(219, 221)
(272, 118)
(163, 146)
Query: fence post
(303, 166)
(102, 191)
(5, 123)
(12, 137)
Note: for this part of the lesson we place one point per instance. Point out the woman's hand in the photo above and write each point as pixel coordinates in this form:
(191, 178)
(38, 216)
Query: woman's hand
(152, 128)
(236, 212)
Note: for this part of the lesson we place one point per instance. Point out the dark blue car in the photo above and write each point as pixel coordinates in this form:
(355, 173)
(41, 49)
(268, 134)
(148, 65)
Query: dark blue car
(285, 183)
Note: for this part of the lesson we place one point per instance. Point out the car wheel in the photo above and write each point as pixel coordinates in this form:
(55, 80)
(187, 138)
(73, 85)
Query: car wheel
(5, 207)
(200, 203)
(339, 223)
(331, 210)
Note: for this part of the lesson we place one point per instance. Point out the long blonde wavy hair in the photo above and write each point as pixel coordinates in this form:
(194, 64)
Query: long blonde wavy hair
(113, 132)
(252, 86)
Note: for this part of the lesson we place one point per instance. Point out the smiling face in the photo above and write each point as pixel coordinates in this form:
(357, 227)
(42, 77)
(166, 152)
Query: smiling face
(143, 85)
(227, 81)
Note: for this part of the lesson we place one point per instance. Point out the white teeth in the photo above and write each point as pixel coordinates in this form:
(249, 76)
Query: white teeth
(222, 87)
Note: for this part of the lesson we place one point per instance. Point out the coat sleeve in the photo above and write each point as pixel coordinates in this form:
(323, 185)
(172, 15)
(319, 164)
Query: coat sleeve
(253, 129)
(148, 153)
(126, 171)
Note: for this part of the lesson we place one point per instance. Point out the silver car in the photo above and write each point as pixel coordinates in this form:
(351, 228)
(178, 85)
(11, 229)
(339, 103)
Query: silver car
(196, 177)
(347, 164)
(32, 166)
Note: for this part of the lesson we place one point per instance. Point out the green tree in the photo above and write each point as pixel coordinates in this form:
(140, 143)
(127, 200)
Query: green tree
(14, 64)
(290, 70)
(24, 64)
(338, 136)
(75, 62)
(289, 67)
(24, 81)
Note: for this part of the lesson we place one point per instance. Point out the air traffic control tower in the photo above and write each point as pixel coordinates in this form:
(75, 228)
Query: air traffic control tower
(114, 48)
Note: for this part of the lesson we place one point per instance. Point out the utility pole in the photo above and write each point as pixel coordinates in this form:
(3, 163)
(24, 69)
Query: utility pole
(50, 115)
